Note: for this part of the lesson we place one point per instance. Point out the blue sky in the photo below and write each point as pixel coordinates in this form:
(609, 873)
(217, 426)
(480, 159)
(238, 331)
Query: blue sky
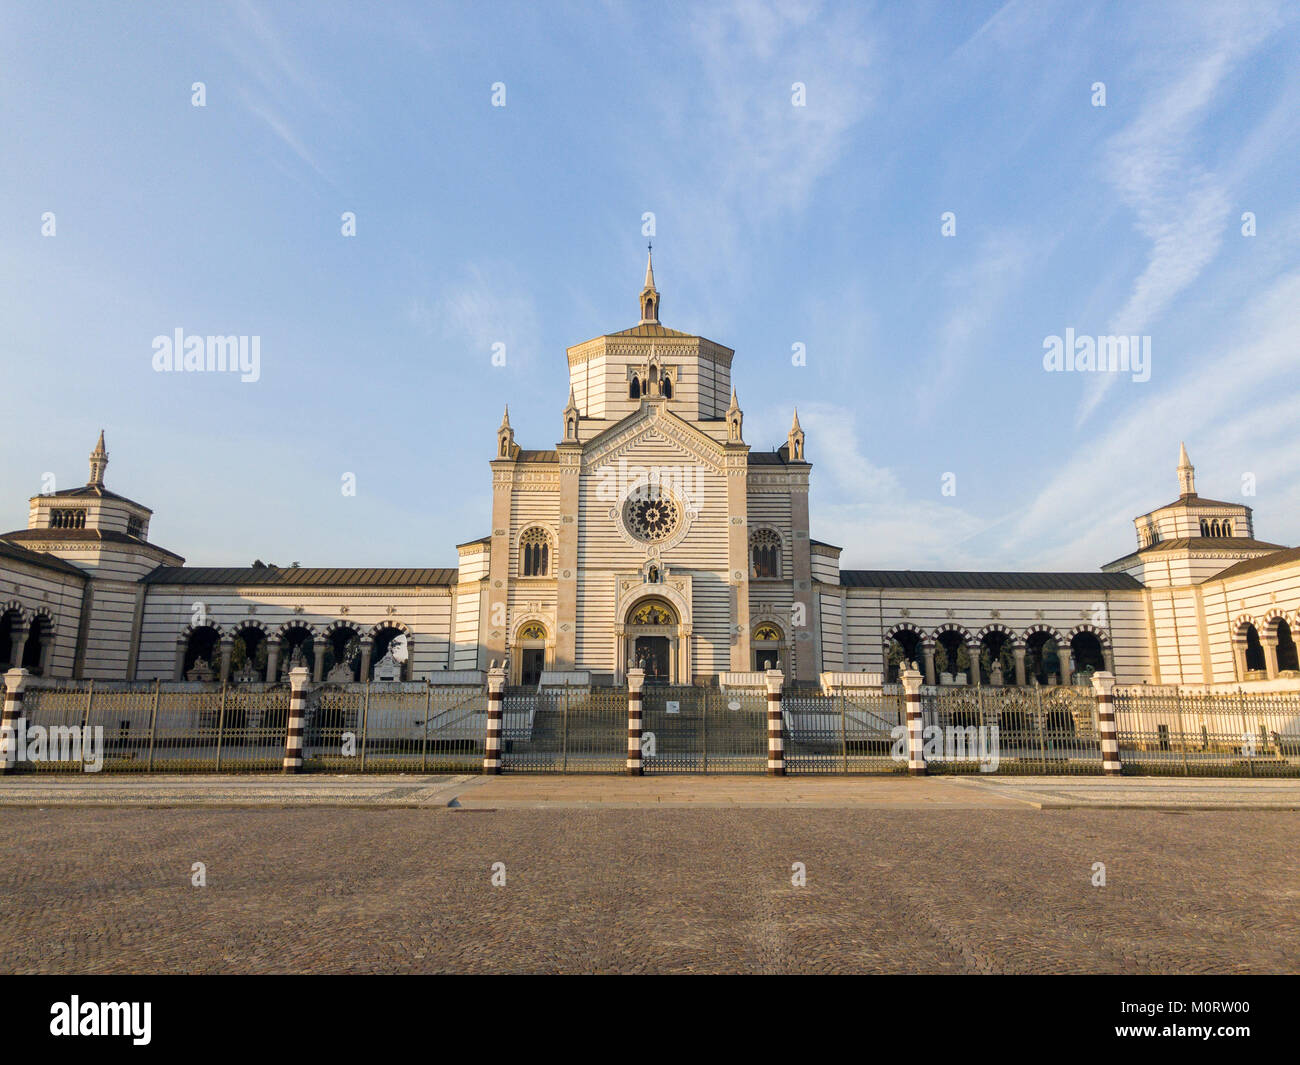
(776, 225)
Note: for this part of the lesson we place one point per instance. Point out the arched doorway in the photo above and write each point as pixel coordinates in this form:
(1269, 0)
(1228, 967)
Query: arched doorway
(530, 653)
(1087, 651)
(653, 640)
(1287, 660)
(902, 648)
(766, 643)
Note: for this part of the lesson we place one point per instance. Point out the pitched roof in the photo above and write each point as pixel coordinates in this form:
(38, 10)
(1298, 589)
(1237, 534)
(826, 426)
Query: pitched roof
(1250, 565)
(15, 553)
(651, 329)
(537, 456)
(1026, 582)
(106, 536)
(91, 491)
(1192, 499)
(1210, 544)
(316, 577)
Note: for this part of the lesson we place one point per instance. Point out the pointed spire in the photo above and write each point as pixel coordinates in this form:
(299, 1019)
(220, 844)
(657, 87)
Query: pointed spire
(1186, 472)
(649, 294)
(734, 404)
(506, 448)
(505, 418)
(794, 440)
(571, 417)
(98, 463)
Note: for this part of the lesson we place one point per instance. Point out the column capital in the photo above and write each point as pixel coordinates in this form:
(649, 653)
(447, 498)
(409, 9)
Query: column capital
(298, 678)
(1103, 683)
(496, 680)
(774, 679)
(911, 680)
(16, 680)
(635, 680)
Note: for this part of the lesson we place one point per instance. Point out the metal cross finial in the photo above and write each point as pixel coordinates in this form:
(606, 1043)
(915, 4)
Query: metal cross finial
(649, 245)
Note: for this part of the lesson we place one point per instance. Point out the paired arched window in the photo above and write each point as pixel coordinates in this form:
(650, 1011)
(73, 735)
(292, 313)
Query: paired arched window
(535, 553)
(765, 555)
(634, 389)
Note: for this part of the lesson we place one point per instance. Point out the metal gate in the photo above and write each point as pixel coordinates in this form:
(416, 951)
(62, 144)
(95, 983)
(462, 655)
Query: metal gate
(858, 733)
(564, 730)
(1012, 730)
(703, 730)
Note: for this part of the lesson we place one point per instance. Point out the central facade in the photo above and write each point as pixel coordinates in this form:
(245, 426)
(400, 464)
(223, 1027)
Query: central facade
(651, 534)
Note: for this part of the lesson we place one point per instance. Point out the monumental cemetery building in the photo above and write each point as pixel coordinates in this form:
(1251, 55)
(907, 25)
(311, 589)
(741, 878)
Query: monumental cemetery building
(649, 534)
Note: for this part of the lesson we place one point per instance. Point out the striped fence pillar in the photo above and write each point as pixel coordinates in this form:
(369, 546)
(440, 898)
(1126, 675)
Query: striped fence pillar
(15, 682)
(496, 680)
(775, 724)
(911, 679)
(635, 683)
(1104, 684)
(293, 739)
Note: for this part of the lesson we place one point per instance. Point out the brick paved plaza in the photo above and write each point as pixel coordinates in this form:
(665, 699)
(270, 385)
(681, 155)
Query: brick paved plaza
(902, 888)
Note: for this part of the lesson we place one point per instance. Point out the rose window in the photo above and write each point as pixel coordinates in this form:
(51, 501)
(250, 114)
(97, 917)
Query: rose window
(652, 515)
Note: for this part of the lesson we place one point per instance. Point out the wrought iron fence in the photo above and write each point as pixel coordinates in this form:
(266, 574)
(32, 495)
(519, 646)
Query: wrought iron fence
(1218, 734)
(1012, 730)
(414, 727)
(565, 730)
(703, 730)
(857, 733)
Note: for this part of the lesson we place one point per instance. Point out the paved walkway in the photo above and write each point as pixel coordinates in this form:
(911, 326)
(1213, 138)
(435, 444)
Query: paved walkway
(667, 890)
(525, 791)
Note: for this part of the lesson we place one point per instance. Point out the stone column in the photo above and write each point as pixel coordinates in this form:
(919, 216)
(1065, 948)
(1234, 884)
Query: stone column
(775, 724)
(367, 647)
(1107, 658)
(1103, 684)
(317, 659)
(1063, 654)
(18, 633)
(635, 682)
(1269, 640)
(911, 679)
(973, 652)
(15, 682)
(927, 652)
(1018, 652)
(178, 672)
(227, 648)
(496, 681)
(1239, 656)
(272, 658)
(293, 738)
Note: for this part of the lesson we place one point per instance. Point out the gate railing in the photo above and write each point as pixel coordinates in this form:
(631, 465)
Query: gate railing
(165, 726)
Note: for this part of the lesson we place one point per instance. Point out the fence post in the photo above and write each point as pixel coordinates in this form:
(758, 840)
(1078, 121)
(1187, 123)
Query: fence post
(1103, 685)
(911, 680)
(775, 724)
(15, 682)
(153, 724)
(496, 681)
(844, 735)
(635, 682)
(221, 723)
(428, 709)
(365, 725)
(1182, 736)
(293, 738)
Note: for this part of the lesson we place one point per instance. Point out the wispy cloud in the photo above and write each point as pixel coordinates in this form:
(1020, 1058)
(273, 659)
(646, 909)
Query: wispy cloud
(485, 307)
(1179, 205)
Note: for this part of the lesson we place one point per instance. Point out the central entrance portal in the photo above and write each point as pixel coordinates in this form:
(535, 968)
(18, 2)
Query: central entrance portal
(652, 639)
(652, 656)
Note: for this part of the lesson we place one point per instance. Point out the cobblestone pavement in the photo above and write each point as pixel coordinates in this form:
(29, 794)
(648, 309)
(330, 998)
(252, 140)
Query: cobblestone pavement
(96, 890)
